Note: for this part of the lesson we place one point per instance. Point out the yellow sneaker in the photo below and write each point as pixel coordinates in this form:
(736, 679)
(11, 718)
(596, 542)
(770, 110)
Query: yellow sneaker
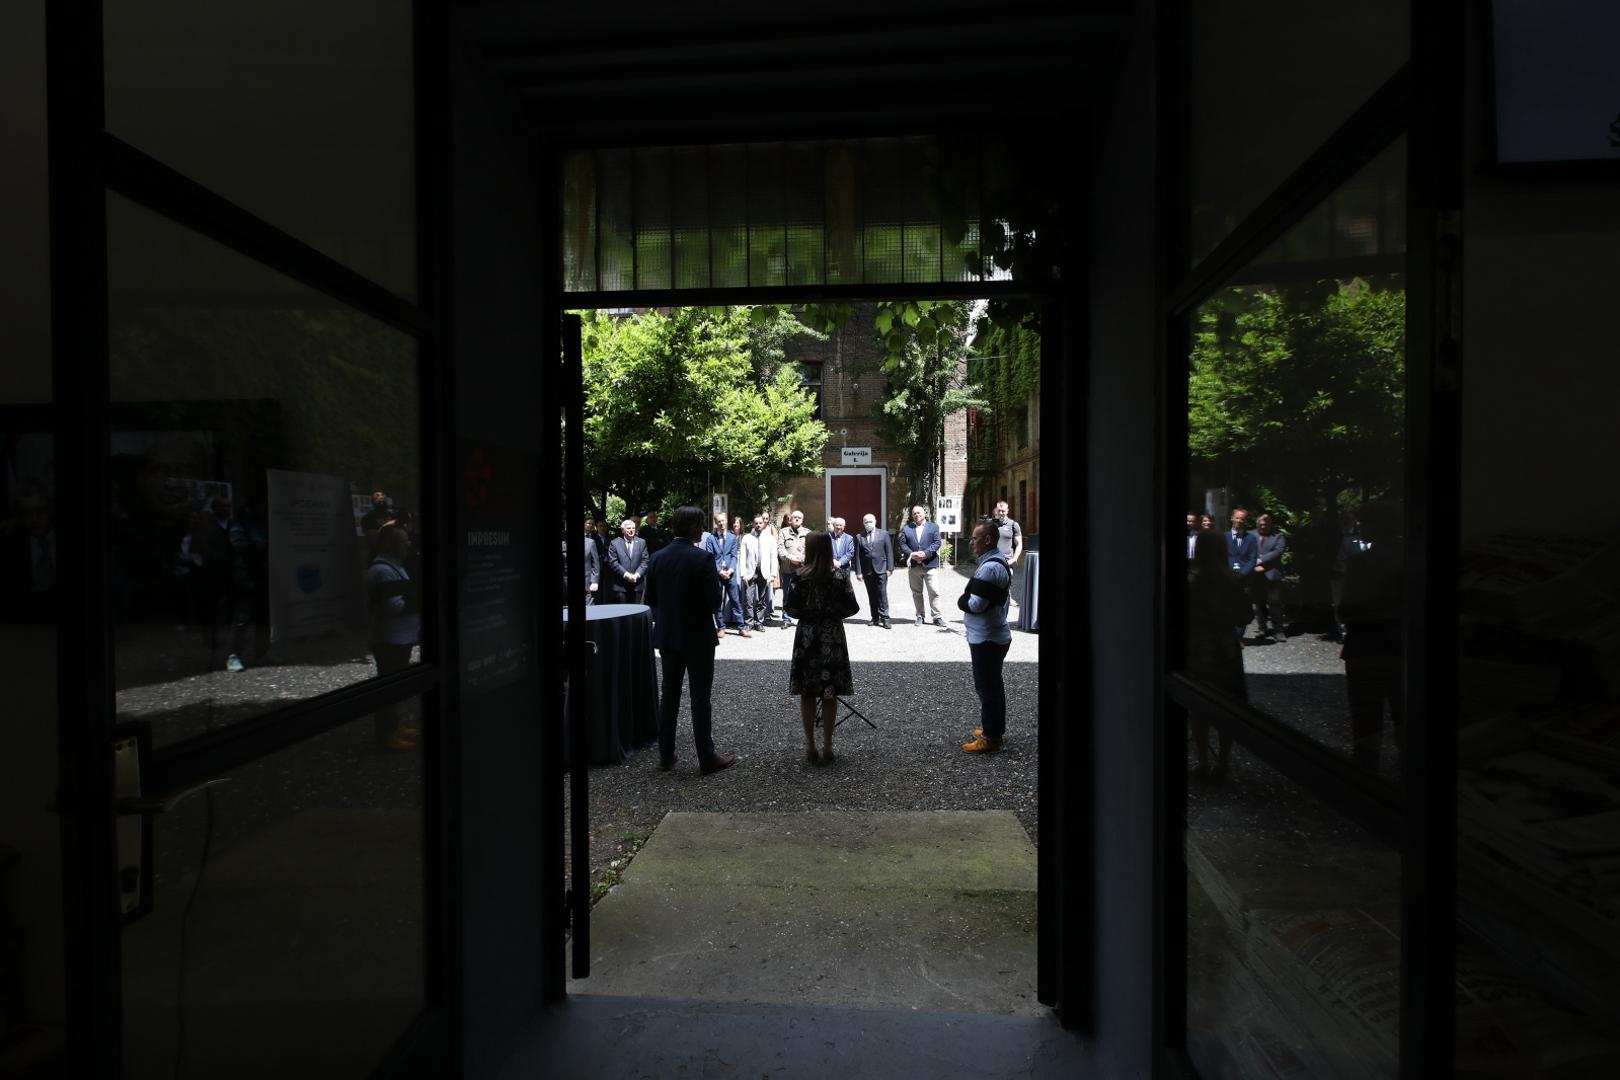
(982, 745)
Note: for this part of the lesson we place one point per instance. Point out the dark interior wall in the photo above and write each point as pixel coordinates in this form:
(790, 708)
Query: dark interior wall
(1122, 446)
(1541, 272)
(496, 285)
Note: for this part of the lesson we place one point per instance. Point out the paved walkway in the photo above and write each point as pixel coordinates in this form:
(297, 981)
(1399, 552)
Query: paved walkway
(929, 910)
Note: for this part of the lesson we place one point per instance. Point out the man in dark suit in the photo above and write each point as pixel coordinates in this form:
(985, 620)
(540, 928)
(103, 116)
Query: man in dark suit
(655, 534)
(593, 564)
(874, 562)
(919, 550)
(1242, 550)
(627, 565)
(684, 591)
(1265, 582)
(726, 548)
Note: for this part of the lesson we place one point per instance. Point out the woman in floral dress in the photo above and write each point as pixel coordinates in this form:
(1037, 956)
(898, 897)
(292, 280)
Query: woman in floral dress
(821, 601)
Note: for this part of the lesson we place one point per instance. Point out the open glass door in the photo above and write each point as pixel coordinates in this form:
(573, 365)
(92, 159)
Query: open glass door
(576, 646)
(253, 623)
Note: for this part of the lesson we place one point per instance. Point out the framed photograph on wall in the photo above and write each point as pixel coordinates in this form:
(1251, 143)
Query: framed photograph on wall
(1555, 84)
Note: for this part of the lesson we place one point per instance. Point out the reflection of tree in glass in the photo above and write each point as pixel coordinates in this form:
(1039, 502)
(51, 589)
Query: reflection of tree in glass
(1296, 397)
(346, 384)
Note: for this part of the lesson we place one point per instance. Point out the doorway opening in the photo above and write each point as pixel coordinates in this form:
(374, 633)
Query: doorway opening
(904, 871)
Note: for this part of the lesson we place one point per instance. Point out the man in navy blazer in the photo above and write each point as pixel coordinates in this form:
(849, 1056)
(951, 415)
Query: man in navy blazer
(684, 591)
(919, 552)
(723, 547)
(1242, 551)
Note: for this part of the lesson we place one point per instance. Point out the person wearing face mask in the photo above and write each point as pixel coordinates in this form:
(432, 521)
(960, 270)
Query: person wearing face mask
(874, 563)
(1009, 541)
(757, 570)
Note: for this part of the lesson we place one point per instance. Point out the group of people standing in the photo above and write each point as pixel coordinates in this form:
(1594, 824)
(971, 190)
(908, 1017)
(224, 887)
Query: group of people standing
(1235, 577)
(703, 582)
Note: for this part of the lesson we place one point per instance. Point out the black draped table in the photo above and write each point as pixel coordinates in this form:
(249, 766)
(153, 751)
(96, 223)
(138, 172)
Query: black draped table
(623, 681)
(1029, 591)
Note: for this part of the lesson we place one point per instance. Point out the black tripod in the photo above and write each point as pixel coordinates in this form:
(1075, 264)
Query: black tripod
(853, 711)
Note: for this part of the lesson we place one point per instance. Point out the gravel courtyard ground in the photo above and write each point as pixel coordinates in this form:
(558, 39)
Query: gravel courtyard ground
(915, 683)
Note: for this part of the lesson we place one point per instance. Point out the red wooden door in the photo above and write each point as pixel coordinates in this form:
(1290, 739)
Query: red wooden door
(852, 497)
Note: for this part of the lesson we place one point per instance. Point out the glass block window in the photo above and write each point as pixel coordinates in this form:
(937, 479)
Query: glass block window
(915, 210)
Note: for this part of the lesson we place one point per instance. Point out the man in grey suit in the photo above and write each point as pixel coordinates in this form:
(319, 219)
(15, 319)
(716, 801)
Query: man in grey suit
(627, 565)
(1265, 583)
(874, 562)
(684, 592)
(919, 550)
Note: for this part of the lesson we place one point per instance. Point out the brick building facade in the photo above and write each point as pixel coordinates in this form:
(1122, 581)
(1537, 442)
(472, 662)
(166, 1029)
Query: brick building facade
(847, 370)
(1004, 461)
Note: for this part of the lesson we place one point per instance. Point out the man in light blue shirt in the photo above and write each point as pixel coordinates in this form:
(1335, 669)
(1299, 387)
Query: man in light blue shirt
(984, 614)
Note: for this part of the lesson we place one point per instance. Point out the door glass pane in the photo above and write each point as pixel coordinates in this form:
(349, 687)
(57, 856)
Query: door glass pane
(1268, 81)
(285, 935)
(1296, 425)
(1293, 932)
(1538, 811)
(300, 111)
(253, 423)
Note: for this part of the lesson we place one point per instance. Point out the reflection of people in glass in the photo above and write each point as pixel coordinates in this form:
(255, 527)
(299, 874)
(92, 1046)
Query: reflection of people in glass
(226, 586)
(1265, 583)
(1215, 601)
(1372, 610)
(29, 560)
(394, 622)
(188, 571)
(1242, 550)
(1349, 544)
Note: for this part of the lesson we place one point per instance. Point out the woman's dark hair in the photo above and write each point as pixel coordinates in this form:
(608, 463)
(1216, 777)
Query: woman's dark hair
(687, 522)
(817, 556)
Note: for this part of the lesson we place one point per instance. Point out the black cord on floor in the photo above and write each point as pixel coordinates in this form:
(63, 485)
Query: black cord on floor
(185, 928)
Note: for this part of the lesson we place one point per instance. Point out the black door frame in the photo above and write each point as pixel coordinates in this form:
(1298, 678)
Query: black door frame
(1065, 812)
(1416, 819)
(86, 165)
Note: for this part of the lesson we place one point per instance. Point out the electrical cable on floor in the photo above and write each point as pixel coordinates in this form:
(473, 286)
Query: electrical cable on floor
(185, 928)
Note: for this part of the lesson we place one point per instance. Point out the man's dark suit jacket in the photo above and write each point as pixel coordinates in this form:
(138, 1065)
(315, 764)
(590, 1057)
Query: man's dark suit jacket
(683, 591)
(1242, 552)
(920, 538)
(627, 558)
(876, 557)
(1268, 552)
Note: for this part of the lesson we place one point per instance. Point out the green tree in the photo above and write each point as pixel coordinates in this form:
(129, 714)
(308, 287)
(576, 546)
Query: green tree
(679, 400)
(1297, 393)
(926, 344)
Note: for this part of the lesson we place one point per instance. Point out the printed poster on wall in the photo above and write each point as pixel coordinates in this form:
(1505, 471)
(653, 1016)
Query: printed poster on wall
(499, 531)
(314, 555)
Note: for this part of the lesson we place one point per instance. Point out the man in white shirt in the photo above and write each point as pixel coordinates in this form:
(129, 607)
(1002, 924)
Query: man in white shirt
(758, 570)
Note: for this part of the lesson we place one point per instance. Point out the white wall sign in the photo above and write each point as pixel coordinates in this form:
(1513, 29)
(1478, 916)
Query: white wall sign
(315, 559)
(719, 504)
(857, 455)
(947, 515)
